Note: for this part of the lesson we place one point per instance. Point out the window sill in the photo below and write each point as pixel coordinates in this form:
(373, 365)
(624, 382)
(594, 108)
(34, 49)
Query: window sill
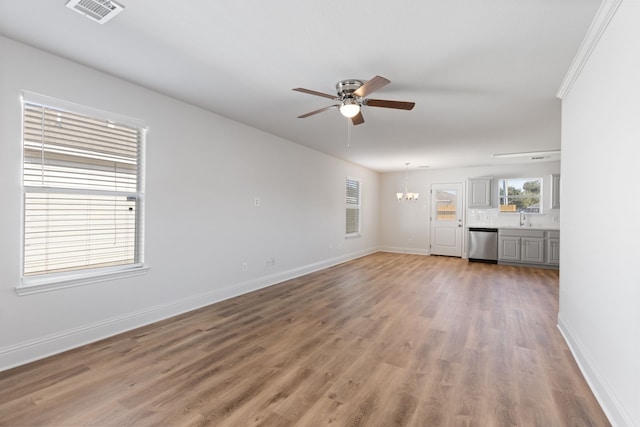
(37, 285)
(352, 236)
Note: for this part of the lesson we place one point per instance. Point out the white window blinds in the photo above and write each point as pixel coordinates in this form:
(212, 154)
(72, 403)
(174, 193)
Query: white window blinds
(82, 191)
(353, 206)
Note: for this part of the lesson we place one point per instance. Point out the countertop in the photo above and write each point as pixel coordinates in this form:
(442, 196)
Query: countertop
(551, 227)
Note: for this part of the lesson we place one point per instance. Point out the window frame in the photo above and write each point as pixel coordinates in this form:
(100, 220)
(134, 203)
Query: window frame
(540, 180)
(353, 207)
(30, 284)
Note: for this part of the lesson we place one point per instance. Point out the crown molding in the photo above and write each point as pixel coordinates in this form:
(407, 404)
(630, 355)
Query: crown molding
(598, 26)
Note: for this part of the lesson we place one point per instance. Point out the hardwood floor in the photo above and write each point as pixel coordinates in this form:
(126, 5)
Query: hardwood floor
(385, 340)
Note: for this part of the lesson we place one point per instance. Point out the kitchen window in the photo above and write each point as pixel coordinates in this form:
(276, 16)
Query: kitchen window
(353, 210)
(520, 195)
(83, 194)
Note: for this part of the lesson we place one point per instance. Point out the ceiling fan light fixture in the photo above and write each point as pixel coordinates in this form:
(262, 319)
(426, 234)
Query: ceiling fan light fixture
(349, 108)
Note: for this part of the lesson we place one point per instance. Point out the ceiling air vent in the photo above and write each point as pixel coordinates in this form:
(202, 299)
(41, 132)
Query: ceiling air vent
(99, 11)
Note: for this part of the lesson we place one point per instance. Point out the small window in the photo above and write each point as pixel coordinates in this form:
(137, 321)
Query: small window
(520, 195)
(353, 207)
(83, 195)
(446, 205)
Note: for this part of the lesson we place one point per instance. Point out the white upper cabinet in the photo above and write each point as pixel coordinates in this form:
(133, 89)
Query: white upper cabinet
(479, 193)
(555, 191)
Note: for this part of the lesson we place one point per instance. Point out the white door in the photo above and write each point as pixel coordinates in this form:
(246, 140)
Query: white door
(446, 219)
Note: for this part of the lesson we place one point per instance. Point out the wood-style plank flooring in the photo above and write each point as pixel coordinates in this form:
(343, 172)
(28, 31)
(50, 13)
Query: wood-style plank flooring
(385, 340)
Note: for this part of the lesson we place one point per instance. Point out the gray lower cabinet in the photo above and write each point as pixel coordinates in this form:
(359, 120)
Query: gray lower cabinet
(508, 248)
(532, 250)
(553, 248)
(522, 246)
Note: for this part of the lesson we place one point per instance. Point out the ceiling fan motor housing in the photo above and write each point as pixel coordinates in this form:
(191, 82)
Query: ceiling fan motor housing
(345, 88)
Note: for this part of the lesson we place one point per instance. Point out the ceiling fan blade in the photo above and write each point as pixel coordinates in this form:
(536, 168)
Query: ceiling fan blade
(313, 92)
(358, 119)
(398, 105)
(371, 86)
(318, 111)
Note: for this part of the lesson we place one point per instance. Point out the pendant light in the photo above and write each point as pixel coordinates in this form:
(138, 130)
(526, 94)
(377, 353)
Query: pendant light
(407, 196)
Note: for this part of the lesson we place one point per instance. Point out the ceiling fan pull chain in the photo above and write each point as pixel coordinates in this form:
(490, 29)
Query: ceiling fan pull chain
(348, 133)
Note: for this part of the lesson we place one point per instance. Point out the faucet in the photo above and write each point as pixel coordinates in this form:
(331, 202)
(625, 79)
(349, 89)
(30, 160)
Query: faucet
(523, 219)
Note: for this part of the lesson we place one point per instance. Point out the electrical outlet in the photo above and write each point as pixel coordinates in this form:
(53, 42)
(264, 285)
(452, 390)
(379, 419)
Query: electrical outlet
(273, 261)
(256, 201)
(245, 266)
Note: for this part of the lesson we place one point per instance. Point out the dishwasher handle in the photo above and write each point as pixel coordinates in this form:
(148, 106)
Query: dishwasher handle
(487, 230)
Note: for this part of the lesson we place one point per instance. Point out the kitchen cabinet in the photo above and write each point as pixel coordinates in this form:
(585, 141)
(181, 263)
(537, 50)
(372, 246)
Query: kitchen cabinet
(553, 248)
(532, 250)
(555, 191)
(508, 248)
(526, 246)
(479, 193)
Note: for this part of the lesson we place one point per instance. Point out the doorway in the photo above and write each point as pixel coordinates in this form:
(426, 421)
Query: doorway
(446, 219)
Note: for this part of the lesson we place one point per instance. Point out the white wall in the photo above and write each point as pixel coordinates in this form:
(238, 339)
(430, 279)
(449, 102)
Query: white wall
(600, 278)
(202, 174)
(404, 227)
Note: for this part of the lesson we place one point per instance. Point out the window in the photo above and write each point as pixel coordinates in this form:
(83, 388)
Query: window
(83, 195)
(353, 207)
(520, 195)
(446, 205)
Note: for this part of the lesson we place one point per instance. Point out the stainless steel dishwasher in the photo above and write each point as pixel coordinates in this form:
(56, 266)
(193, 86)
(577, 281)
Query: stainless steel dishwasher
(483, 245)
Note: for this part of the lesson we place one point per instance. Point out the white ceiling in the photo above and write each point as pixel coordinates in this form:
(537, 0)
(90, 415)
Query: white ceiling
(483, 74)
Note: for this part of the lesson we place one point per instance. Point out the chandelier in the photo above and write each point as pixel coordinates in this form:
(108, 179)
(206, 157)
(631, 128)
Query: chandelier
(407, 196)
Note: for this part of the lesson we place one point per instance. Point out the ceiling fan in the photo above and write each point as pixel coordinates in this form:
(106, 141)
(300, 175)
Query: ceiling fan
(352, 95)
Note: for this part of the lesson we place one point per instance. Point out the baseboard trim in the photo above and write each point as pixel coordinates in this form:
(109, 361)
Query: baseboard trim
(410, 251)
(606, 397)
(36, 349)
